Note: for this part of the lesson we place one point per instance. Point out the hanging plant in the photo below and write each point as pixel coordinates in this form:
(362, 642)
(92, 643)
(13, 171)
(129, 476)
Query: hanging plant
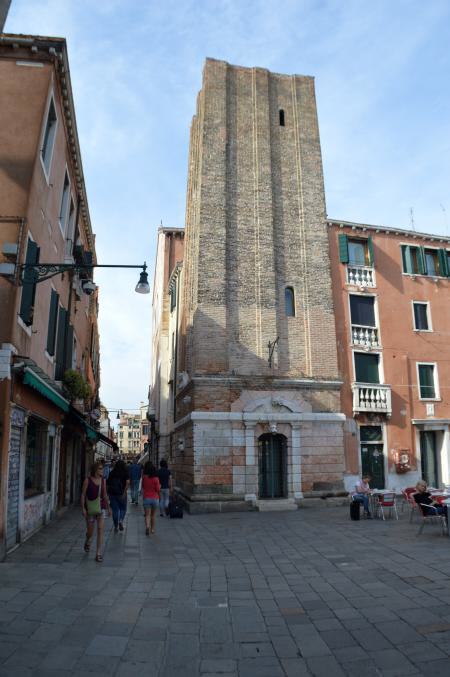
(77, 388)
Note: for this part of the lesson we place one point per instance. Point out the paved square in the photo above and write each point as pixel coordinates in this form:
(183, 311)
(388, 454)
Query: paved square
(233, 595)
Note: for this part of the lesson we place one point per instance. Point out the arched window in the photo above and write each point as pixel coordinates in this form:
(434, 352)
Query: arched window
(281, 117)
(289, 302)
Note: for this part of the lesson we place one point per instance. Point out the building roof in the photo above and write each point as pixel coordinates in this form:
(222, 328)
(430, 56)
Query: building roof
(389, 230)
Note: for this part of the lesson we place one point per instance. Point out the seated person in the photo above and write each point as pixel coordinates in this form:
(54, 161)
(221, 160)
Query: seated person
(423, 497)
(362, 492)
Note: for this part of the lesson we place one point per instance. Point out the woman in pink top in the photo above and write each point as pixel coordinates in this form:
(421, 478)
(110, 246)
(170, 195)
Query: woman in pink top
(150, 492)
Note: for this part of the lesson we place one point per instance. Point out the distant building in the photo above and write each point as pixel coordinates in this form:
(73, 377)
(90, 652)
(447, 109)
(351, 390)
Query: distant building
(129, 435)
(47, 435)
(166, 286)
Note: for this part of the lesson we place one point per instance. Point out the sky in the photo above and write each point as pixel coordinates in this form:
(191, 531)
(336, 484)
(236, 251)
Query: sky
(381, 71)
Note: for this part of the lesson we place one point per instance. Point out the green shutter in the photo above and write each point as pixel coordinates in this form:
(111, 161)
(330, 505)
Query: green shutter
(29, 287)
(408, 266)
(370, 250)
(422, 260)
(52, 321)
(69, 347)
(60, 344)
(443, 263)
(343, 248)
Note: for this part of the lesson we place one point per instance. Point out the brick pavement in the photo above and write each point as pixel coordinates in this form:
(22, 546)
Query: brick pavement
(235, 595)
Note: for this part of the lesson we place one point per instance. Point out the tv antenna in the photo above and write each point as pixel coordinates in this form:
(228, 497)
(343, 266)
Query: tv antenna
(411, 218)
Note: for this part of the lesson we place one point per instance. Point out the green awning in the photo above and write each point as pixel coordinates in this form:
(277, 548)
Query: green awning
(34, 381)
(91, 433)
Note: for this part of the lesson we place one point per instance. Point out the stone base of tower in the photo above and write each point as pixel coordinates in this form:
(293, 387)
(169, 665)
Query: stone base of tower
(270, 446)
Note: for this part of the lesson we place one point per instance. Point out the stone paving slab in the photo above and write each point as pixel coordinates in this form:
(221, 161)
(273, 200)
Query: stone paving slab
(232, 595)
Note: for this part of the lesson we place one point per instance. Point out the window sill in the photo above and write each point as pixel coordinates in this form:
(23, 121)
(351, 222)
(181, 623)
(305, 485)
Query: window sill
(430, 399)
(27, 329)
(424, 331)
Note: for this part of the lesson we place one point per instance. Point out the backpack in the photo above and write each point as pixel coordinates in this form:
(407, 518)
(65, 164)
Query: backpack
(115, 486)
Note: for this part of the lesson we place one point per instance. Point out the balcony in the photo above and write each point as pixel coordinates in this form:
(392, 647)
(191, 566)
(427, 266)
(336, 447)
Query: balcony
(366, 337)
(372, 398)
(361, 276)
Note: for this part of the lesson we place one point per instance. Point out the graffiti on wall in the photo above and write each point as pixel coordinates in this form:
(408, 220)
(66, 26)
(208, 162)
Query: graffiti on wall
(33, 512)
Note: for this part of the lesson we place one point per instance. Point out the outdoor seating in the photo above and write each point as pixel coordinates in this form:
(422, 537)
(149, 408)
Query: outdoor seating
(408, 499)
(430, 515)
(386, 501)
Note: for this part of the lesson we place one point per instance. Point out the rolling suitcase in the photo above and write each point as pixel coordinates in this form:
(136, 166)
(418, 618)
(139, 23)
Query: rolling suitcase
(355, 510)
(175, 510)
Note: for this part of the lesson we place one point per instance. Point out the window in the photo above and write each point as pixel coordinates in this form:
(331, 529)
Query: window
(48, 141)
(356, 251)
(289, 302)
(427, 382)
(421, 316)
(29, 286)
(367, 368)
(145, 429)
(422, 261)
(129, 435)
(281, 117)
(431, 262)
(60, 356)
(370, 433)
(173, 297)
(52, 322)
(64, 208)
(362, 310)
(35, 454)
(413, 262)
(121, 435)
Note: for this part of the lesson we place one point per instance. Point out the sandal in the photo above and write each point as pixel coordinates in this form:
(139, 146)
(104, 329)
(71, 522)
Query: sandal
(87, 546)
(99, 558)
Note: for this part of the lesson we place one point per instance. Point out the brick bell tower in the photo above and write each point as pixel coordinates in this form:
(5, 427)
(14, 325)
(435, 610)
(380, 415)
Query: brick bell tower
(260, 388)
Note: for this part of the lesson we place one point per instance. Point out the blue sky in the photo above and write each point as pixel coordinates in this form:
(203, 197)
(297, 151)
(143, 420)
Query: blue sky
(382, 73)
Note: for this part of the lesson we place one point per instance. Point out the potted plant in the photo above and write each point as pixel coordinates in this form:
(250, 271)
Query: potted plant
(76, 387)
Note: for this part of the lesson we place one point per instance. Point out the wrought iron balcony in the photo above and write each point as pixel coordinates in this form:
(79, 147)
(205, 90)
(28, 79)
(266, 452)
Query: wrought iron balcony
(367, 337)
(361, 276)
(372, 397)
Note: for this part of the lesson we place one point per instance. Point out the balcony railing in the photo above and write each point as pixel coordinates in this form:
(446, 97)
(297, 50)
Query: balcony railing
(367, 337)
(371, 397)
(360, 276)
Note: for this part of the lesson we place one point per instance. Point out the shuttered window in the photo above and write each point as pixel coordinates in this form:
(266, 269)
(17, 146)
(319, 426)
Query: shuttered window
(29, 287)
(356, 251)
(52, 322)
(60, 344)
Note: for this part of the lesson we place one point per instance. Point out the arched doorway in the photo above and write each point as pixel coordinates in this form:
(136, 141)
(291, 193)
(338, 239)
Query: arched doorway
(272, 466)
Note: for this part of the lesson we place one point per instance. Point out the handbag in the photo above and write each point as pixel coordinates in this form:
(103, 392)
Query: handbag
(93, 506)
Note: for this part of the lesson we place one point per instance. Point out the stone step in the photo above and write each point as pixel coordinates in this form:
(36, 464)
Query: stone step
(276, 504)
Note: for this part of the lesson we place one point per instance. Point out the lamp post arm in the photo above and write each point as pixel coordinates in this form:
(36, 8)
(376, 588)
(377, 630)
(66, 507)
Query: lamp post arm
(32, 273)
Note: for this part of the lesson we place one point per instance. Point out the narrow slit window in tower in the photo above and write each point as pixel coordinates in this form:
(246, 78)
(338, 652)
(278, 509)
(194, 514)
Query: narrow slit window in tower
(281, 117)
(289, 302)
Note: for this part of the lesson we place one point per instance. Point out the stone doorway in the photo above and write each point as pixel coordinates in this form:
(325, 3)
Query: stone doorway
(272, 462)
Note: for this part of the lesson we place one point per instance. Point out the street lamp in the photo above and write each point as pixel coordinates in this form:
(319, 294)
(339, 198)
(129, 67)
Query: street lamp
(32, 273)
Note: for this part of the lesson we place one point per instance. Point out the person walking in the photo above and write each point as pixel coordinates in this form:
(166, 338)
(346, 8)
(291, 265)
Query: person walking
(95, 505)
(165, 479)
(151, 495)
(135, 471)
(117, 485)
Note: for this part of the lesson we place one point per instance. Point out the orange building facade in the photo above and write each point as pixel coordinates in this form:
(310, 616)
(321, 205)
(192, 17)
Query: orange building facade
(391, 293)
(47, 326)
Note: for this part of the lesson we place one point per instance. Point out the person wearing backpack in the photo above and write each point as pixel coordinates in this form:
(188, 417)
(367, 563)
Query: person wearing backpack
(95, 506)
(117, 485)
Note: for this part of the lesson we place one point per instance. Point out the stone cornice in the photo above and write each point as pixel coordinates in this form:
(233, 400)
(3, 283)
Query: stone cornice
(387, 230)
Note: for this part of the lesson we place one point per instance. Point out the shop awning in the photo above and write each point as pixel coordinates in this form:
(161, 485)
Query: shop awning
(30, 378)
(91, 433)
